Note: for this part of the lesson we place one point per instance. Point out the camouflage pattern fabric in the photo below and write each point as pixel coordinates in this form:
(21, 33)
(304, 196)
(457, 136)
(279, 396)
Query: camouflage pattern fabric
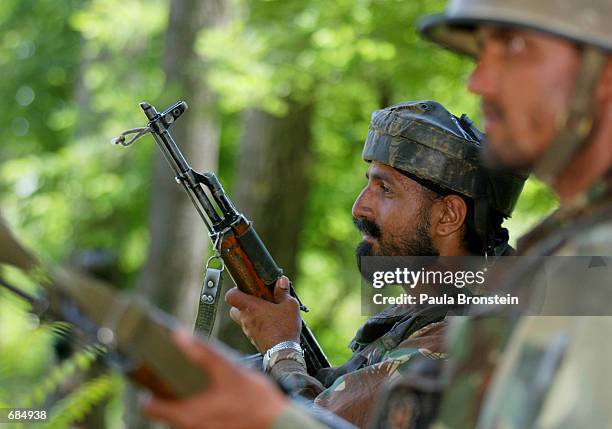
(411, 402)
(534, 360)
(424, 139)
(384, 349)
(434, 148)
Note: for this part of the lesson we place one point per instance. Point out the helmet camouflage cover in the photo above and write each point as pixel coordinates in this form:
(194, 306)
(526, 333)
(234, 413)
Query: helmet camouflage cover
(425, 140)
(583, 21)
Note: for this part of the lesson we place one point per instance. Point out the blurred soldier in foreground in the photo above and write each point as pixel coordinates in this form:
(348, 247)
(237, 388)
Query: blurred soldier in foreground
(544, 73)
(424, 197)
(147, 346)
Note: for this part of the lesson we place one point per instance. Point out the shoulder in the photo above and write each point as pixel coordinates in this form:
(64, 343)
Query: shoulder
(427, 341)
(592, 239)
(583, 235)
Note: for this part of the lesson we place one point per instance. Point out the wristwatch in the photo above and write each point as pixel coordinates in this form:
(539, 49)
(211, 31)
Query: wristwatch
(293, 345)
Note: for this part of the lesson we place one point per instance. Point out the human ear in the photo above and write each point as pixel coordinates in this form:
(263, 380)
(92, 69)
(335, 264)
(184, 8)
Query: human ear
(452, 211)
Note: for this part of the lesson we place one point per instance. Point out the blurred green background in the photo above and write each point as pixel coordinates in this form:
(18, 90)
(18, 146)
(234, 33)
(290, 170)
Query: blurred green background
(280, 93)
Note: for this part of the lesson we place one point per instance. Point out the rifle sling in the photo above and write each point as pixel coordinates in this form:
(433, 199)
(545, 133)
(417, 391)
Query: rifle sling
(207, 307)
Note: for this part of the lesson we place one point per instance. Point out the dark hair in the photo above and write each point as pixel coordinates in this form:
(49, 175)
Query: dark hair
(471, 240)
(496, 233)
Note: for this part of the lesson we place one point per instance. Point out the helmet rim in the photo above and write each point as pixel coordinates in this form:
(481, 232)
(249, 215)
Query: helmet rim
(457, 32)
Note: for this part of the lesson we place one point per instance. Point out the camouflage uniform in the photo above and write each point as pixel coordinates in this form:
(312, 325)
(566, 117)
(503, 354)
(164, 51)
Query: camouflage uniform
(523, 372)
(383, 350)
(547, 371)
(425, 141)
(533, 358)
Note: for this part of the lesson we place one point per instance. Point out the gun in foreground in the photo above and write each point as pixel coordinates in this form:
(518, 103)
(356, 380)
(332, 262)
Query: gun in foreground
(235, 241)
(136, 335)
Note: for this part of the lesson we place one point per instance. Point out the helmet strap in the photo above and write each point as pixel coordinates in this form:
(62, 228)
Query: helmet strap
(481, 211)
(578, 121)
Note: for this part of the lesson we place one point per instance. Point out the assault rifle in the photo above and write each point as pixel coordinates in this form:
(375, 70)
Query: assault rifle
(135, 335)
(235, 241)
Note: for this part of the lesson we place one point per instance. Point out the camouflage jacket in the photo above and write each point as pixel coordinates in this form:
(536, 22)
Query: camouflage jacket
(535, 371)
(383, 348)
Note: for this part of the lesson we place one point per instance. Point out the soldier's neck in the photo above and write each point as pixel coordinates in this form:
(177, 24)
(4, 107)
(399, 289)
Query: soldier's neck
(452, 248)
(592, 164)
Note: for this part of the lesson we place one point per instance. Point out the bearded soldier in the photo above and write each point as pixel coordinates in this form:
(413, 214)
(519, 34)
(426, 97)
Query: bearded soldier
(427, 194)
(545, 77)
(423, 198)
(544, 74)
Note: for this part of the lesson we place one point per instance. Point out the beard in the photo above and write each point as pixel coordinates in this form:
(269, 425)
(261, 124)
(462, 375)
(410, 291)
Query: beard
(506, 154)
(504, 162)
(417, 243)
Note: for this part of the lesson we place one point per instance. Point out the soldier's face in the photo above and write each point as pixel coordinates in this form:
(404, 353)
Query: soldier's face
(525, 80)
(392, 212)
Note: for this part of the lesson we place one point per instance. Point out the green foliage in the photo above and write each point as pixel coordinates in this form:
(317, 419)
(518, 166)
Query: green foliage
(37, 74)
(28, 377)
(347, 60)
(79, 362)
(24, 345)
(77, 404)
(69, 199)
(67, 88)
(72, 77)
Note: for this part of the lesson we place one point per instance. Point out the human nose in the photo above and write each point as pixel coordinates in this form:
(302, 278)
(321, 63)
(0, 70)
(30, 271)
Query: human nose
(362, 207)
(483, 80)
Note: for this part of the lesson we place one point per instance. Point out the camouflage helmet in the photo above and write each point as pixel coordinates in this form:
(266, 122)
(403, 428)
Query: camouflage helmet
(585, 21)
(429, 143)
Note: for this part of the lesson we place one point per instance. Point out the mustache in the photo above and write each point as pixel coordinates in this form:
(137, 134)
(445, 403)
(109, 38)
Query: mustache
(367, 227)
(491, 108)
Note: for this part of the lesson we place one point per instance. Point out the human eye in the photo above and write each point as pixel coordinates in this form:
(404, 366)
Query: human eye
(517, 44)
(514, 43)
(385, 188)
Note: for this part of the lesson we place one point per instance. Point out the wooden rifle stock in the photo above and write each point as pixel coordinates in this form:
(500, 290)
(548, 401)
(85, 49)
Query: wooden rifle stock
(243, 253)
(242, 264)
(248, 260)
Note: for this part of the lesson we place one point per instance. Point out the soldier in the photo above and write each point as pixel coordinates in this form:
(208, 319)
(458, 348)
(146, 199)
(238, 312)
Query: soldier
(426, 195)
(544, 74)
(423, 198)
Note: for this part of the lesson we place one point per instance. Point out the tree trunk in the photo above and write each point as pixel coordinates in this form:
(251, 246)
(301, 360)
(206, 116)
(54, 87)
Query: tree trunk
(173, 272)
(272, 190)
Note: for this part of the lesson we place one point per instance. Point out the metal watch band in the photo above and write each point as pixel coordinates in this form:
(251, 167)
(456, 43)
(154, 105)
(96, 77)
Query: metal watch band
(293, 345)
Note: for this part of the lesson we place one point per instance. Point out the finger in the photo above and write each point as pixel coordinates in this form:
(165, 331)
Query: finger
(168, 411)
(235, 315)
(281, 290)
(240, 300)
(251, 340)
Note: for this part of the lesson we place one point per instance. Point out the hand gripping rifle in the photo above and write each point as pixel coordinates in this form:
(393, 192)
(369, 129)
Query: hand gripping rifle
(235, 241)
(136, 336)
